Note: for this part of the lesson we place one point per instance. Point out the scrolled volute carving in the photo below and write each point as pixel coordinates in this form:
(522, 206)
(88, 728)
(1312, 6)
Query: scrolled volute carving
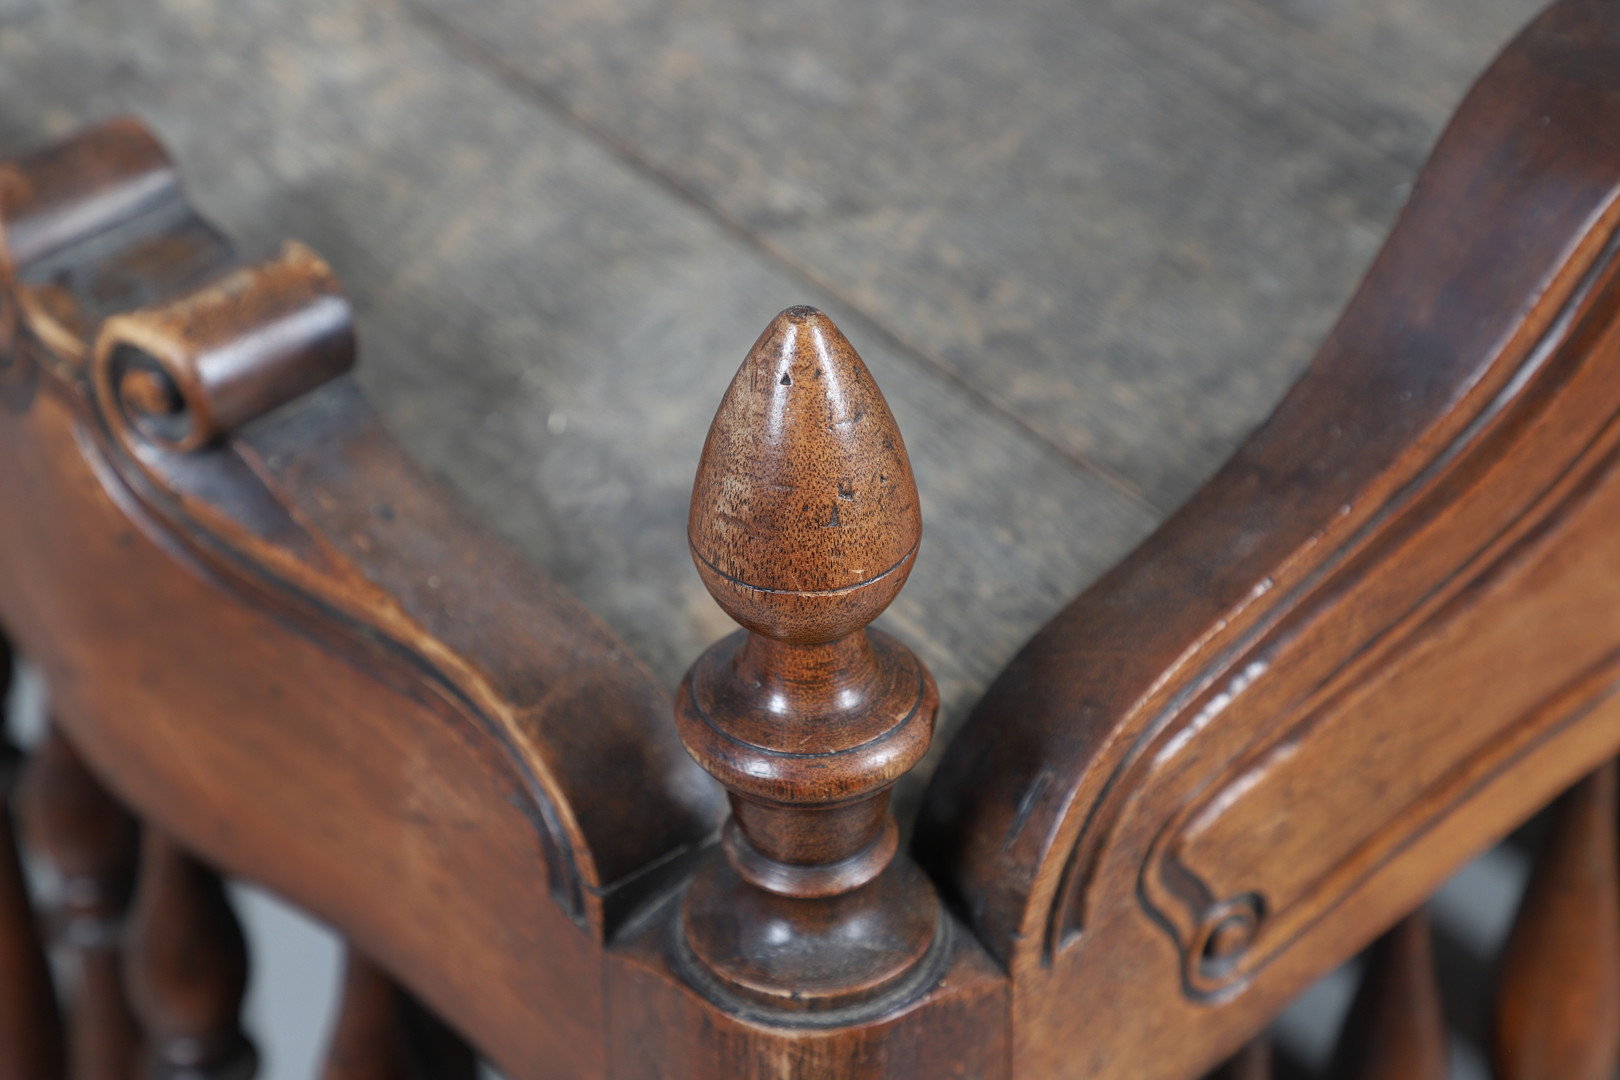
(182, 374)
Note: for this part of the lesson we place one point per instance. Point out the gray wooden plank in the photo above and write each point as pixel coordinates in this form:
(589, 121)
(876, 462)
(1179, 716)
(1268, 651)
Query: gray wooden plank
(540, 323)
(1433, 48)
(1128, 223)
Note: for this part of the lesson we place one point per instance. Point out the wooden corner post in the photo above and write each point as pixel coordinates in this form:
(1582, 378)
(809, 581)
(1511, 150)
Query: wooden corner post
(804, 526)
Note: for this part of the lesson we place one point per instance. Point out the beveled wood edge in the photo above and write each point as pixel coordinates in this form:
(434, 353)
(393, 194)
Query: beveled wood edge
(415, 581)
(1507, 237)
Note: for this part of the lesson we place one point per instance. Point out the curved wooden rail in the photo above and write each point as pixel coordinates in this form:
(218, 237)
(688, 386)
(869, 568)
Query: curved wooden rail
(286, 646)
(1387, 631)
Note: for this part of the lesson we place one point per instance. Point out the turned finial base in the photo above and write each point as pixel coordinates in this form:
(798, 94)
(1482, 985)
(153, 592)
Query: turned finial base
(864, 951)
(809, 909)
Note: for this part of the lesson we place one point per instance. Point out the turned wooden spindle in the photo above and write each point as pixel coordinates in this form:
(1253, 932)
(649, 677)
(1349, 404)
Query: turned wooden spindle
(30, 1025)
(1253, 1062)
(804, 526)
(1396, 1029)
(383, 1034)
(369, 1040)
(92, 842)
(187, 968)
(1558, 994)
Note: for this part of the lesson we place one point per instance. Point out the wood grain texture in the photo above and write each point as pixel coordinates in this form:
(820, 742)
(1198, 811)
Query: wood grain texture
(553, 345)
(1558, 993)
(804, 501)
(804, 528)
(1269, 620)
(31, 1045)
(1396, 1029)
(1125, 224)
(1387, 599)
(497, 699)
(662, 1028)
(92, 844)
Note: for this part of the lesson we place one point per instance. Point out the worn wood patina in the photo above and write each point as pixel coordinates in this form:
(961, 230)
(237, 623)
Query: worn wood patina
(1378, 639)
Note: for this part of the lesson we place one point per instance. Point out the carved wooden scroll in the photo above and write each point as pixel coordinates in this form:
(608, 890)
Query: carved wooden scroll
(1388, 631)
(288, 648)
(1385, 633)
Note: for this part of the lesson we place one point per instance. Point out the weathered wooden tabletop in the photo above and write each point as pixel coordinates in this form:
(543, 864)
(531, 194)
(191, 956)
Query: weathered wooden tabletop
(1084, 246)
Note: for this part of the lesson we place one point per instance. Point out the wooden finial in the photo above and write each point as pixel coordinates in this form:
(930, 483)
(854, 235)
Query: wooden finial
(804, 520)
(804, 527)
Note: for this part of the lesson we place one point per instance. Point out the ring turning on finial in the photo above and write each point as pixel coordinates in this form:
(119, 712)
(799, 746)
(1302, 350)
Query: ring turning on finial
(804, 527)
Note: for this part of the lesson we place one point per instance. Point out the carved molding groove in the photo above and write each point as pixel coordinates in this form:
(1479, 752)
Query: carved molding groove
(120, 300)
(1227, 874)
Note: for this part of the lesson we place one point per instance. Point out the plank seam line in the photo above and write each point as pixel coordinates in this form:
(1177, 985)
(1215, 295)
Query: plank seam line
(480, 55)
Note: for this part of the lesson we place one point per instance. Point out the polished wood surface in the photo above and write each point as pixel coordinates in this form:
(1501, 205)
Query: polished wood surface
(804, 526)
(369, 1040)
(1378, 640)
(1396, 1029)
(91, 843)
(1393, 603)
(450, 715)
(188, 969)
(1559, 985)
(382, 1034)
(808, 944)
(1253, 1062)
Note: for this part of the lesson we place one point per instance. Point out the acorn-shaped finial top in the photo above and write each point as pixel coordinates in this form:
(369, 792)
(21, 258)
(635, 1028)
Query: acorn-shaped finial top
(804, 522)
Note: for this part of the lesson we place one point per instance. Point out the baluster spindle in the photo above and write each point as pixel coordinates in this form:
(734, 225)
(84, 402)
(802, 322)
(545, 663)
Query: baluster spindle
(30, 1025)
(91, 841)
(369, 1041)
(1396, 1029)
(383, 1034)
(804, 526)
(1558, 996)
(188, 968)
(1253, 1062)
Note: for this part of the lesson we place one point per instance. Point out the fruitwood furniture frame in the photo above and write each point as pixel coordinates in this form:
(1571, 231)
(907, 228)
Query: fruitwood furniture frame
(1385, 634)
